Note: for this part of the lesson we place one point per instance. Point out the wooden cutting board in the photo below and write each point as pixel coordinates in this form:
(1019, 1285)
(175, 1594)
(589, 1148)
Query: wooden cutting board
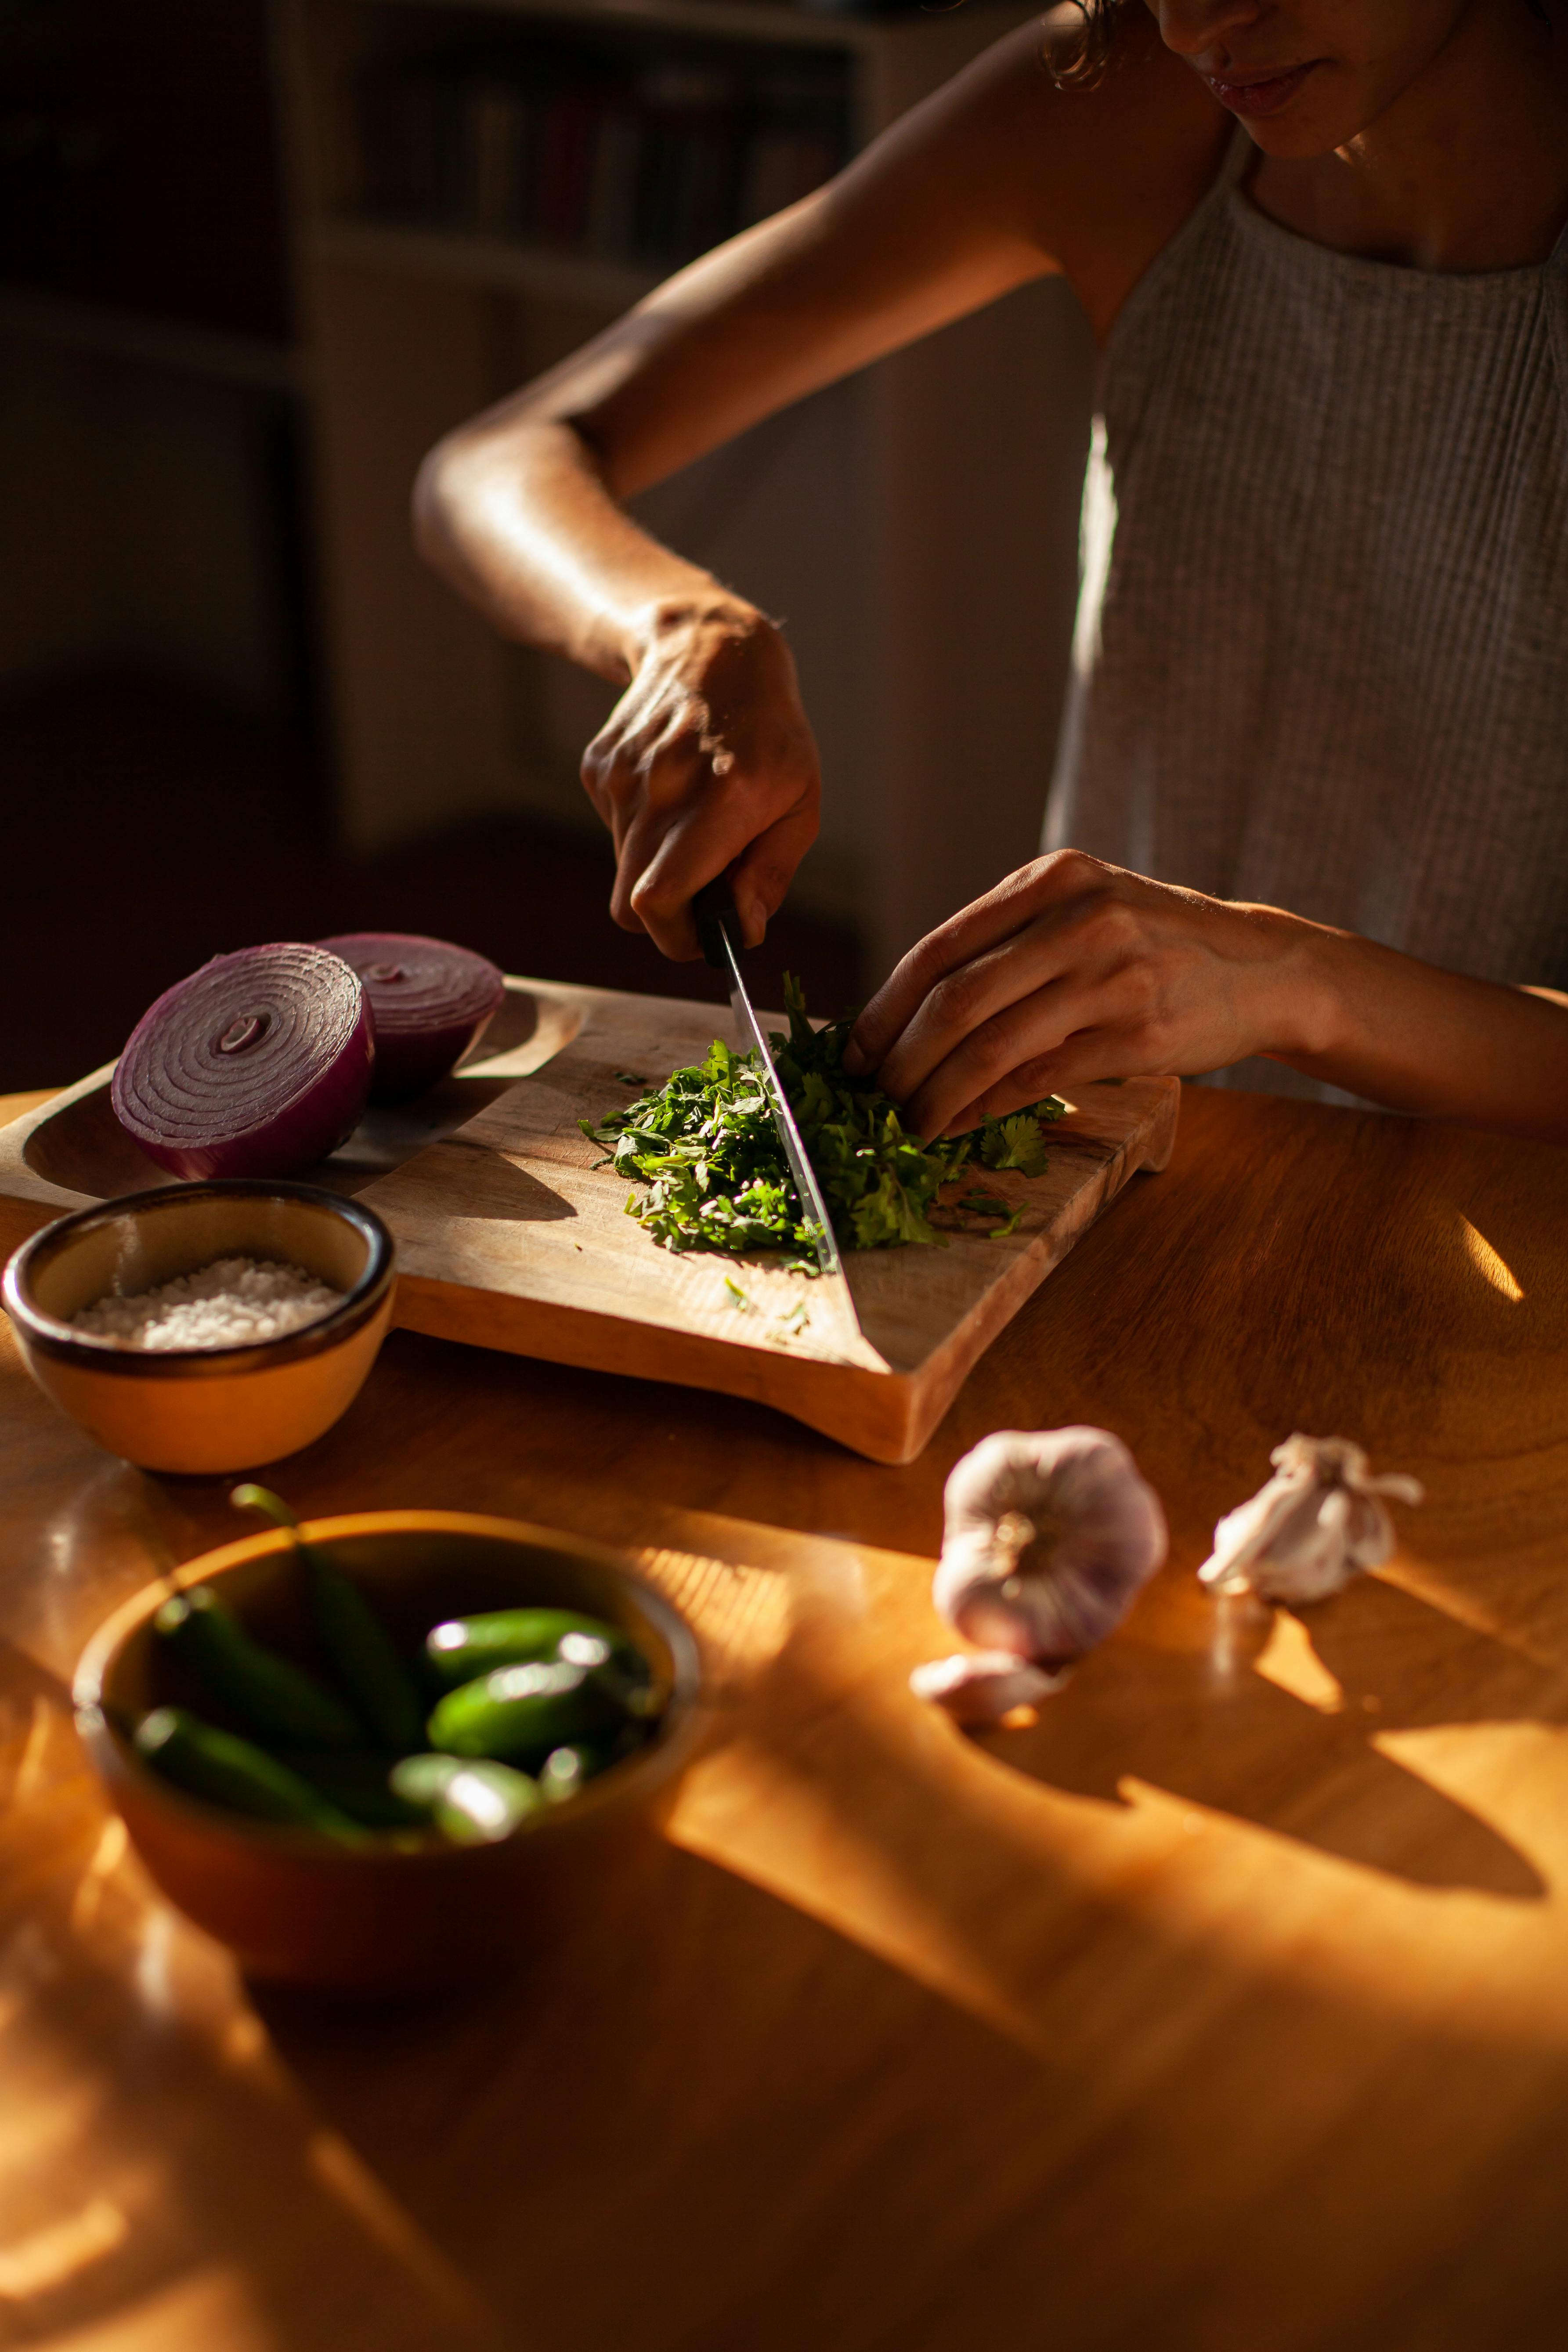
(510, 1236)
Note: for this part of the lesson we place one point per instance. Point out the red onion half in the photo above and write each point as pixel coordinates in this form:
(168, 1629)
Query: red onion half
(431, 1001)
(259, 1064)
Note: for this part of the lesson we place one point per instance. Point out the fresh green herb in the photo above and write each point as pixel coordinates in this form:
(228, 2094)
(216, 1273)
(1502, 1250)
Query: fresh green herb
(737, 1297)
(705, 1147)
(791, 1326)
(631, 1078)
(1015, 1143)
(1000, 1232)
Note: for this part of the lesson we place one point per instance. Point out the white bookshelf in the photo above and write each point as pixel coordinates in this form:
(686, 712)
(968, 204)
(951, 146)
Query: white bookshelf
(914, 527)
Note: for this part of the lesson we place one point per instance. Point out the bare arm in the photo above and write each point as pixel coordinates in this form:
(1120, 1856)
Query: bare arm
(1072, 969)
(708, 762)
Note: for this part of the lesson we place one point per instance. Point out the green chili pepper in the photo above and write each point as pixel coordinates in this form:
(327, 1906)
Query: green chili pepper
(357, 1645)
(233, 1773)
(466, 1647)
(270, 1694)
(472, 1801)
(566, 1770)
(357, 1784)
(523, 1711)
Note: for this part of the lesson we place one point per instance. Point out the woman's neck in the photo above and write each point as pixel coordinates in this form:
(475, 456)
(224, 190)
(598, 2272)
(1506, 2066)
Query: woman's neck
(1467, 170)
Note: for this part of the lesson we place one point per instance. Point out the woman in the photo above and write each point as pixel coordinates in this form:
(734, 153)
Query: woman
(1312, 799)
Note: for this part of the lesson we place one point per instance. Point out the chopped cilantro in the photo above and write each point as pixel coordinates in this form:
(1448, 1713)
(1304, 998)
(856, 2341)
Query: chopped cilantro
(705, 1147)
(1015, 1143)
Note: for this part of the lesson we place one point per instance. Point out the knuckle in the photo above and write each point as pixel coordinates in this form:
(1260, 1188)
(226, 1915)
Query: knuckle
(955, 998)
(1141, 993)
(988, 1050)
(1115, 930)
(1155, 1039)
(1073, 867)
(1033, 1078)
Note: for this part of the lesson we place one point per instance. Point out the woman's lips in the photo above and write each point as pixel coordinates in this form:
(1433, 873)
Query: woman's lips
(1260, 93)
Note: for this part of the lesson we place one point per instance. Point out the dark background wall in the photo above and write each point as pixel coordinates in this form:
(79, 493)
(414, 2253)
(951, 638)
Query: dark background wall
(174, 777)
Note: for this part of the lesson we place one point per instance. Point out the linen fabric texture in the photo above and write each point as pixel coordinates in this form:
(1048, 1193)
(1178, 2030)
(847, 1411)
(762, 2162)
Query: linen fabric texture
(1321, 650)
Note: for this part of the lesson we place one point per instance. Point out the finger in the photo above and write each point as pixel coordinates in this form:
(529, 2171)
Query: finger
(694, 845)
(980, 994)
(763, 873)
(612, 763)
(715, 834)
(987, 923)
(1081, 1060)
(678, 787)
(977, 927)
(645, 757)
(1026, 1038)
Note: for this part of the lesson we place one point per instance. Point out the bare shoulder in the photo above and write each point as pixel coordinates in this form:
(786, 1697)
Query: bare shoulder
(1097, 176)
(1004, 175)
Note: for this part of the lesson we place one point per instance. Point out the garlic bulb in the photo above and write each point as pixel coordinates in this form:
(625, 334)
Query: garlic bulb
(1319, 1519)
(1049, 1536)
(984, 1686)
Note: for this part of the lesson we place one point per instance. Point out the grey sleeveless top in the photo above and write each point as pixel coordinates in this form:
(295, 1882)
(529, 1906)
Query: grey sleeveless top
(1321, 653)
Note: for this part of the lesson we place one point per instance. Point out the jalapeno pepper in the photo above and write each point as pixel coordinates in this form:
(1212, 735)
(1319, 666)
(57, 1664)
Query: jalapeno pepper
(471, 1802)
(269, 1693)
(567, 1770)
(466, 1647)
(358, 1783)
(232, 1772)
(523, 1711)
(356, 1644)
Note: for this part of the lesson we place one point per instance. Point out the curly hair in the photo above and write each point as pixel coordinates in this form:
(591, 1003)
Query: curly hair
(1087, 59)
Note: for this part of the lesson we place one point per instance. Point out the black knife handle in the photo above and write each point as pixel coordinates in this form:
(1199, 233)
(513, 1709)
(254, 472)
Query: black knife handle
(713, 911)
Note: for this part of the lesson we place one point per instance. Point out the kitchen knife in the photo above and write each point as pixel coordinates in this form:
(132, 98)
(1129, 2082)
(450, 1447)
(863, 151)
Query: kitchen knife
(718, 933)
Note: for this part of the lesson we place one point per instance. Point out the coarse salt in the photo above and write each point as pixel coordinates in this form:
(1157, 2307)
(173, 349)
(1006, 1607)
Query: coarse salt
(232, 1303)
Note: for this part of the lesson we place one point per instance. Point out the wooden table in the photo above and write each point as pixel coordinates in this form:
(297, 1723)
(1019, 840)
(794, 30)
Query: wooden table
(1227, 2010)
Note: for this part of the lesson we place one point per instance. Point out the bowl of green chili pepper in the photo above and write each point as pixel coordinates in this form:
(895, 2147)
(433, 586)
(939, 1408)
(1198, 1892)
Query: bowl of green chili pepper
(382, 1751)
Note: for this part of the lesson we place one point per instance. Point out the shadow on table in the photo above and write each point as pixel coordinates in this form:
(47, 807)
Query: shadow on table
(149, 2174)
(648, 2133)
(666, 2124)
(1208, 1726)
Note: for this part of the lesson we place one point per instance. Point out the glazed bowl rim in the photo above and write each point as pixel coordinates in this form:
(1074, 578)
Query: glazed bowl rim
(64, 1343)
(114, 1756)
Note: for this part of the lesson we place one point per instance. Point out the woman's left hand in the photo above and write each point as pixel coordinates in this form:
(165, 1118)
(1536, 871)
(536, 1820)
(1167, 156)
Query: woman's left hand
(1072, 970)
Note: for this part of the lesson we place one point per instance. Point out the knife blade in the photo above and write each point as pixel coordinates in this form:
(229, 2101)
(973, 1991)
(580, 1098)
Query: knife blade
(718, 931)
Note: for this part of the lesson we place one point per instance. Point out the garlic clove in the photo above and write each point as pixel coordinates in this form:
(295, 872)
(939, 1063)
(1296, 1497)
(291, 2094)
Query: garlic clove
(985, 1686)
(1319, 1521)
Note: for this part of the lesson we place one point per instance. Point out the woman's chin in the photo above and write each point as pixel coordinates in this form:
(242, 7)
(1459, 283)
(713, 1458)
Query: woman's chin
(1296, 141)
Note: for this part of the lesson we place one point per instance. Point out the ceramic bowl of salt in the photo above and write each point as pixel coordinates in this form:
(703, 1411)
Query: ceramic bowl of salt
(205, 1328)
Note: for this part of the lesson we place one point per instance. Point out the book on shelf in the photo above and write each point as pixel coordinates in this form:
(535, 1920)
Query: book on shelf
(625, 158)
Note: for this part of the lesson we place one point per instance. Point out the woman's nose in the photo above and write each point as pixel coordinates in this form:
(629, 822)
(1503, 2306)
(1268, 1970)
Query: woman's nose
(1191, 27)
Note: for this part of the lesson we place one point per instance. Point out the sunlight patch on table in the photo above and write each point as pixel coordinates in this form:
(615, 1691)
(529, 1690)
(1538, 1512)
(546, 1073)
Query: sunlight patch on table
(47, 2258)
(741, 1614)
(1487, 1263)
(1289, 1661)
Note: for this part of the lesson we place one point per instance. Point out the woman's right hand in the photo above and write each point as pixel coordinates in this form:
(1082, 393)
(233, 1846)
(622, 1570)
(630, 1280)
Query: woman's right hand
(706, 763)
